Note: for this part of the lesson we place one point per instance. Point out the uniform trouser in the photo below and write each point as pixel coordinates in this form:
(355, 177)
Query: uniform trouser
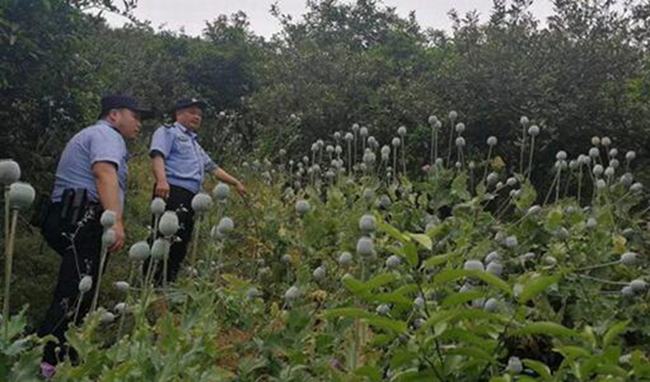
(79, 247)
(179, 200)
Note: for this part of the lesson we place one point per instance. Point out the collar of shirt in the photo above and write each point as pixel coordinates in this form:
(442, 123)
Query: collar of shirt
(104, 122)
(187, 131)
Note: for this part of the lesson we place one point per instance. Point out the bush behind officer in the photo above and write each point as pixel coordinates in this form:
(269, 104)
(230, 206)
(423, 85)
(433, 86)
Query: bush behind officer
(179, 166)
(90, 178)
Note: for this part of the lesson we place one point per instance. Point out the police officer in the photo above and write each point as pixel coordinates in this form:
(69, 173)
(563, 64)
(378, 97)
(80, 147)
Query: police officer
(90, 178)
(179, 167)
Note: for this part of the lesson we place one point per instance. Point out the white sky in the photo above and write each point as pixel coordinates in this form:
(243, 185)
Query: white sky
(192, 14)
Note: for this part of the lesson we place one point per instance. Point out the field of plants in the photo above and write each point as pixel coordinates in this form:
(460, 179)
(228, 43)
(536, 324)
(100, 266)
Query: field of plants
(349, 264)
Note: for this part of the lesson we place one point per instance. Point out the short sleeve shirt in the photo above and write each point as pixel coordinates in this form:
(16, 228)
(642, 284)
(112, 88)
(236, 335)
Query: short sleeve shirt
(185, 160)
(100, 142)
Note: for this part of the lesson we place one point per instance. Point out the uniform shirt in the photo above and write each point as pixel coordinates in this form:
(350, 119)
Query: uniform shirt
(185, 160)
(100, 142)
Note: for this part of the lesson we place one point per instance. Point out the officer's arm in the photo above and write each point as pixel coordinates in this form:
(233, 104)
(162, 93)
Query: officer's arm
(158, 166)
(223, 176)
(108, 189)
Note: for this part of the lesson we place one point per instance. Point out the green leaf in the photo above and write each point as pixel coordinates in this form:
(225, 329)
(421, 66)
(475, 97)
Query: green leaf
(434, 261)
(536, 286)
(402, 357)
(370, 372)
(540, 368)
(380, 280)
(391, 231)
(574, 352)
(354, 285)
(387, 323)
(554, 219)
(614, 331)
(391, 298)
(493, 280)
(548, 328)
(527, 196)
(372, 319)
(459, 187)
(448, 275)
(411, 254)
(422, 239)
(461, 298)
(437, 317)
(360, 288)
(472, 352)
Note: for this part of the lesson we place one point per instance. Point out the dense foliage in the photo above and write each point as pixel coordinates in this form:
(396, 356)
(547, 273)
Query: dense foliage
(417, 298)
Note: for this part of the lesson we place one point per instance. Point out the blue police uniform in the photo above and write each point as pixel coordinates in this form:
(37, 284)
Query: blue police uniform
(71, 226)
(186, 164)
(185, 160)
(100, 142)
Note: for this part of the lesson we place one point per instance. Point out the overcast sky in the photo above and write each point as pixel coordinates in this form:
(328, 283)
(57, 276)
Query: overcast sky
(192, 14)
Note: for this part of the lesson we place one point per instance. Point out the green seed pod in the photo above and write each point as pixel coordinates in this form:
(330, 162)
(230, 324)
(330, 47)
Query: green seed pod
(121, 286)
(109, 237)
(473, 265)
(21, 195)
(107, 318)
(638, 285)
(383, 309)
(345, 259)
(629, 258)
(302, 207)
(319, 273)
(393, 261)
(491, 305)
(120, 308)
(158, 206)
(168, 224)
(108, 219)
(510, 241)
(494, 268)
(85, 284)
(226, 225)
(160, 249)
(201, 203)
(367, 224)
(492, 256)
(365, 247)
(292, 293)
(9, 172)
(514, 365)
(524, 121)
(252, 293)
(139, 251)
(221, 192)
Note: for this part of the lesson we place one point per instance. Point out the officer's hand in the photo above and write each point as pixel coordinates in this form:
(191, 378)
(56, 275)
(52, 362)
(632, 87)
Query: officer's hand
(240, 188)
(119, 237)
(162, 189)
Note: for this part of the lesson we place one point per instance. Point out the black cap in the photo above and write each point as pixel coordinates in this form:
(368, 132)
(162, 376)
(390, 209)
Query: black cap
(184, 103)
(124, 102)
